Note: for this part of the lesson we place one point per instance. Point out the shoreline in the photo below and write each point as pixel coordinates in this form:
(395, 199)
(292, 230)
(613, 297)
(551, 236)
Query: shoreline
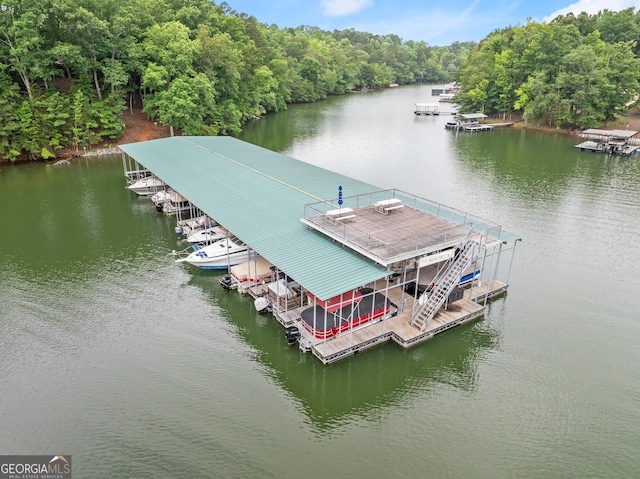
(140, 128)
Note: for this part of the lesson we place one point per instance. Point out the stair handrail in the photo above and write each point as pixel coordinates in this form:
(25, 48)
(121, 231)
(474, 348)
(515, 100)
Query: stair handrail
(446, 280)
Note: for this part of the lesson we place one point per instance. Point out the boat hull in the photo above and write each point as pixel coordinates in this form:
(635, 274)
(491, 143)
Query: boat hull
(208, 235)
(147, 186)
(223, 262)
(221, 254)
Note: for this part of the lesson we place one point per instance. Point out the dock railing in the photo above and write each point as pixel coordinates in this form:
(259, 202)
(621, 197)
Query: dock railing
(315, 215)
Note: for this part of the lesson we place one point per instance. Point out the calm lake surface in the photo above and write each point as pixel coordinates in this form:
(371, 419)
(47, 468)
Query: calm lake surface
(140, 367)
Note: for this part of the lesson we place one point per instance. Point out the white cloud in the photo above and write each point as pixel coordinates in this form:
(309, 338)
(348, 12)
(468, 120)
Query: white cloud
(593, 6)
(339, 8)
(471, 22)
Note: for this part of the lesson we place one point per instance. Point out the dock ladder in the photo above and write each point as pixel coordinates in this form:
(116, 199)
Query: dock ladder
(431, 301)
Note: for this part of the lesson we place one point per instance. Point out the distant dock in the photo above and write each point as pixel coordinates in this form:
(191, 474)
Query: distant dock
(450, 88)
(613, 142)
(446, 97)
(485, 126)
(471, 122)
(427, 109)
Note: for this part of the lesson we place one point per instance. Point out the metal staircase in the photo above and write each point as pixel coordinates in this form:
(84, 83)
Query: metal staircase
(431, 301)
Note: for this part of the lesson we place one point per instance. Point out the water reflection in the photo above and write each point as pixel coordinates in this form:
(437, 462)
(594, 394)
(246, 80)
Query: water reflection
(298, 122)
(141, 358)
(533, 166)
(376, 380)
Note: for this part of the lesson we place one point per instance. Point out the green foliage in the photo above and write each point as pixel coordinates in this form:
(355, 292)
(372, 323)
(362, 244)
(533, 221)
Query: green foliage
(575, 71)
(106, 115)
(196, 66)
(10, 125)
(169, 45)
(28, 136)
(45, 154)
(80, 115)
(205, 69)
(67, 66)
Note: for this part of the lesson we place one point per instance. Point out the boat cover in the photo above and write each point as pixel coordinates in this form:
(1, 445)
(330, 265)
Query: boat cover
(252, 271)
(337, 302)
(280, 288)
(371, 304)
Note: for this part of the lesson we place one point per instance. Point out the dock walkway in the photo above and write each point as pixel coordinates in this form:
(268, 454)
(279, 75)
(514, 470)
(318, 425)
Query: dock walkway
(471, 122)
(387, 242)
(397, 328)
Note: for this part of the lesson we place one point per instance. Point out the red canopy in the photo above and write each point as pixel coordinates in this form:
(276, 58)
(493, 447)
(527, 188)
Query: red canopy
(337, 302)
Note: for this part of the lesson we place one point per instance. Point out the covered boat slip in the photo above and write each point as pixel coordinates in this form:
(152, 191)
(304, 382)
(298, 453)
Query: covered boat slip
(259, 196)
(616, 142)
(251, 273)
(325, 323)
(473, 122)
(392, 327)
(427, 109)
(330, 234)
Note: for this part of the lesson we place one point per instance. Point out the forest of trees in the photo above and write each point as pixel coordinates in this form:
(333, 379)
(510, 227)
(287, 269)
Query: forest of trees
(573, 72)
(70, 68)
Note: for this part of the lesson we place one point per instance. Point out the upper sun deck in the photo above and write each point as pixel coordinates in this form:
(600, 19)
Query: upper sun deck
(390, 226)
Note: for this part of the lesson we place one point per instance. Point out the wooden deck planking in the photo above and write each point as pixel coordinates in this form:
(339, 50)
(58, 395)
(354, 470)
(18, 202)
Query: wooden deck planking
(399, 328)
(393, 237)
(389, 231)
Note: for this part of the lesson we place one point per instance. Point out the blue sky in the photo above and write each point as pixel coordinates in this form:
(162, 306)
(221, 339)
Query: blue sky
(436, 22)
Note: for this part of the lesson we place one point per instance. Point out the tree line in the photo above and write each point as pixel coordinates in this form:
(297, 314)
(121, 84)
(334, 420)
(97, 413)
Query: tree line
(573, 72)
(70, 68)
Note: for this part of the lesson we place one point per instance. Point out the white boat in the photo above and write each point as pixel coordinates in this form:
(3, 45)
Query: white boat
(160, 198)
(190, 226)
(207, 235)
(135, 175)
(147, 186)
(176, 203)
(248, 274)
(220, 254)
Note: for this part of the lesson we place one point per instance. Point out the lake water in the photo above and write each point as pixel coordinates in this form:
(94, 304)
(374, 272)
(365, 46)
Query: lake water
(140, 367)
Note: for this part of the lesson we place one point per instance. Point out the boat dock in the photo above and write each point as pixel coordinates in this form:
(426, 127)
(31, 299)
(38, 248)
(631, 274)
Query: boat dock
(484, 126)
(427, 109)
(382, 229)
(354, 270)
(473, 122)
(613, 142)
(446, 97)
(450, 88)
(475, 128)
(397, 329)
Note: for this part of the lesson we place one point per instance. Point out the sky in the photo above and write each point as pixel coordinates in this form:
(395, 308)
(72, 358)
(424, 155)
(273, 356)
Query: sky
(437, 23)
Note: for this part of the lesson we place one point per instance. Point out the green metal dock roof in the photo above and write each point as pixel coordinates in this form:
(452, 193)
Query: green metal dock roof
(259, 195)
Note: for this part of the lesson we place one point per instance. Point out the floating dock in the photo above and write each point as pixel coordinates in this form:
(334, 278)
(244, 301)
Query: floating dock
(433, 267)
(450, 88)
(472, 122)
(446, 97)
(612, 142)
(427, 109)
